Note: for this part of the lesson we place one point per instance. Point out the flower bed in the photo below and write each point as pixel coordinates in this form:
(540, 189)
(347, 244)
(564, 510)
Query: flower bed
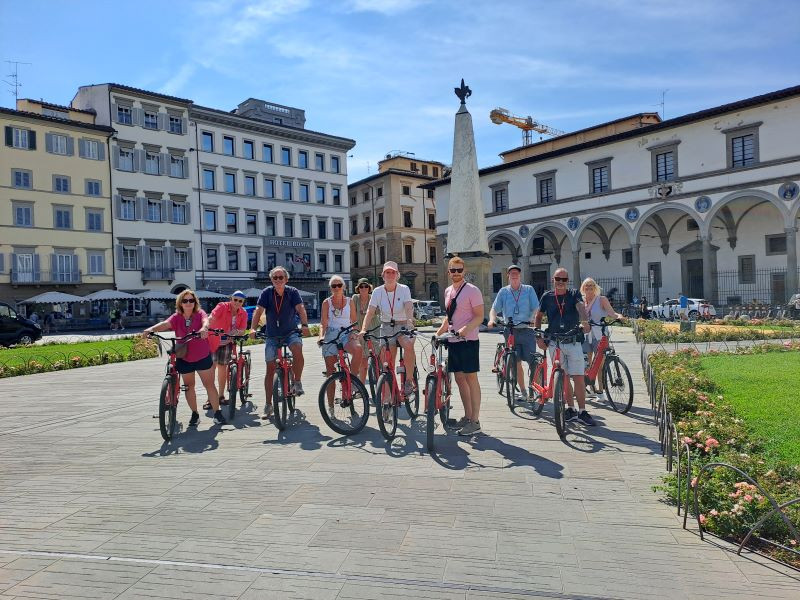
(659, 332)
(713, 432)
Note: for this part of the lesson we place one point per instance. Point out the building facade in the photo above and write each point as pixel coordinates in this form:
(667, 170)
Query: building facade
(270, 192)
(55, 222)
(706, 204)
(150, 185)
(392, 218)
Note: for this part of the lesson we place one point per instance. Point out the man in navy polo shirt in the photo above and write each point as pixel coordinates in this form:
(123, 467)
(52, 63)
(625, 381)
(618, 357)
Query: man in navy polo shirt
(282, 305)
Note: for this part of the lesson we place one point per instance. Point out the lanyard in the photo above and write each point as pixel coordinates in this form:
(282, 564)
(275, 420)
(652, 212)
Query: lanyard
(278, 304)
(516, 298)
(561, 306)
(391, 303)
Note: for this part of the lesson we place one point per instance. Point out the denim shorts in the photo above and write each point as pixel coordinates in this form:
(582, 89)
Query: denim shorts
(271, 345)
(331, 349)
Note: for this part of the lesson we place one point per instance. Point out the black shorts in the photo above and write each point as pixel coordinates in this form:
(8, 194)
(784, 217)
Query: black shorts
(462, 357)
(184, 366)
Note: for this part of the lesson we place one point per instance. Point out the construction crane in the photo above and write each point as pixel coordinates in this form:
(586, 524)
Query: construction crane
(527, 124)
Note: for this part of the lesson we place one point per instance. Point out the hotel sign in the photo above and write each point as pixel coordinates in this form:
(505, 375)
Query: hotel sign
(288, 243)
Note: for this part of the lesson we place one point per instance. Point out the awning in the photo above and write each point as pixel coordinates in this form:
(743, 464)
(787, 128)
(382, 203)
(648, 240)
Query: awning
(110, 295)
(205, 294)
(154, 295)
(53, 298)
(252, 292)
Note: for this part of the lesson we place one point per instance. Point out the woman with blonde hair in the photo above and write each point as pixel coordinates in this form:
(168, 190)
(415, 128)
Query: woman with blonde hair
(336, 313)
(597, 307)
(188, 318)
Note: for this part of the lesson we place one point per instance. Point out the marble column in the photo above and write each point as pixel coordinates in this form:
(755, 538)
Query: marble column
(576, 266)
(791, 262)
(635, 274)
(708, 283)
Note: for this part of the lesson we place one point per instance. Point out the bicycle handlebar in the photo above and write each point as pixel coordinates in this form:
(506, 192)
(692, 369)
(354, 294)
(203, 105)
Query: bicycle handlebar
(342, 331)
(511, 324)
(386, 338)
(552, 335)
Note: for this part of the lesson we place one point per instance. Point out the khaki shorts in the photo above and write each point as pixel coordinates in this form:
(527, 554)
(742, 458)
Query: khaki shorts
(387, 329)
(571, 357)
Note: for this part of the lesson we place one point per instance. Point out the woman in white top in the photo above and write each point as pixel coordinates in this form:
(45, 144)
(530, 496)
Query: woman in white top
(337, 312)
(397, 312)
(597, 307)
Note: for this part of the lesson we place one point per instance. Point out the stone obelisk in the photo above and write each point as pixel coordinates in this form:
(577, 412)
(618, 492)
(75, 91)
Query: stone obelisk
(466, 227)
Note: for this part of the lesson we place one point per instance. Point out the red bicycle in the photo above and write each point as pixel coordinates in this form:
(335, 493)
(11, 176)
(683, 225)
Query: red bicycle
(283, 396)
(170, 387)
(616, 377)
(389, 393)
(505, 362)
(545, 387)
(343, 399)
(238, 373)
(438, 386)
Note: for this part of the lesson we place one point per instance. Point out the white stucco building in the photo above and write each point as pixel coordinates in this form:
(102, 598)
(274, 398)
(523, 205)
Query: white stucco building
(706, 204)
(152, 229)
(270, 192)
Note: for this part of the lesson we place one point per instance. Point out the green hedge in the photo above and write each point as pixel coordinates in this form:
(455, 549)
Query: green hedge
(656, 332)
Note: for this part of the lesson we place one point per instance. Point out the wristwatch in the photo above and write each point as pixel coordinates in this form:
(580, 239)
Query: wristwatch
(303, 324)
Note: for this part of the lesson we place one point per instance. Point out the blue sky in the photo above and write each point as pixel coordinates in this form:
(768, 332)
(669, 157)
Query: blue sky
(382, 71)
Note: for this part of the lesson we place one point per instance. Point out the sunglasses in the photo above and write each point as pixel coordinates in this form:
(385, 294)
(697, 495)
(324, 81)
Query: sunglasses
(187, 301)
(363, 286)
(461, 270)
(238, 301)
(277, 278)
(561, 279)
(336, 285)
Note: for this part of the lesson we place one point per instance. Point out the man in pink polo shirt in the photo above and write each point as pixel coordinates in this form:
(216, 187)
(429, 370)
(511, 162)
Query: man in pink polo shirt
(464, 313)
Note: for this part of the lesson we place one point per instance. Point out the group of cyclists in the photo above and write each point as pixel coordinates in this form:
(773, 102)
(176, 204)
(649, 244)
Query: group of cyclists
(389, 309)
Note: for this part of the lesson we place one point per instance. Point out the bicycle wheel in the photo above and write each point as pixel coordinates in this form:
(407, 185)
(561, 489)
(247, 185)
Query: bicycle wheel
(444, 411)
(387, 408)
(233, 388)
(498, 368)
(244, 390)
(430, 408)
(617, 384)
(559, 406)
(166, 409)
(511, 378)
(412, 401)
(279, 400)
(291, 399)
(372, 377)
(348, 410)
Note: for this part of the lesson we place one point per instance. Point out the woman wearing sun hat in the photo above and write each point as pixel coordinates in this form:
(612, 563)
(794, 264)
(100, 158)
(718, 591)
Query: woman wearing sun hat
(361, 304)
(232, 318)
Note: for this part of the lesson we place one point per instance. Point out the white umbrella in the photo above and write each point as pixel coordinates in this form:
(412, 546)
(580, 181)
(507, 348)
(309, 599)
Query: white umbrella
(110, 295)
(252, 292)
(206, 294)
(154, 295)
(53, 298)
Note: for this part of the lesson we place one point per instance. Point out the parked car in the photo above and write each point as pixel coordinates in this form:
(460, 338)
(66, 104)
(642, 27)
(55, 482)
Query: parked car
(793, 307)
(426, 309)
(16, 329)
(698, 308)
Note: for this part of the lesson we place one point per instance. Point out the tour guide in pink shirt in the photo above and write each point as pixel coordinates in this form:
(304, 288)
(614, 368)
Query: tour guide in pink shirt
(464, 313)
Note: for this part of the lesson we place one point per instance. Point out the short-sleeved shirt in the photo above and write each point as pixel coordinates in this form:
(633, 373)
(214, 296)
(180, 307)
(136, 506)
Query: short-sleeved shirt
(469, 298)
(391, 304)
(562, 312)
(518, 305)
(684, 301)
(198, 348)
(283, 322)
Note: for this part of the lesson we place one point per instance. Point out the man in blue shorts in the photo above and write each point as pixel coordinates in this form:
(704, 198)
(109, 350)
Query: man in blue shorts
(282, 305)
(517, 302)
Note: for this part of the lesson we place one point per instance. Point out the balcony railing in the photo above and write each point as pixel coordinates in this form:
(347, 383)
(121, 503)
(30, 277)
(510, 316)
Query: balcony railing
(158, 274)
(40, 277)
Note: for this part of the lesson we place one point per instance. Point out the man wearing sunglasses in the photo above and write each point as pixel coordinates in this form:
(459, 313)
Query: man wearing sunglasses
(282, 305)
(232, 318)
(517, 302)
(565, 310)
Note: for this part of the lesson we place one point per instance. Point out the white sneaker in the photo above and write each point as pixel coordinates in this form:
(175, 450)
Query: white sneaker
(298, 389)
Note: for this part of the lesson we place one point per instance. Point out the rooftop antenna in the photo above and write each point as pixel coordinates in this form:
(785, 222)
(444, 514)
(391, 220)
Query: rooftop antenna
(661, 104)
(14, 83)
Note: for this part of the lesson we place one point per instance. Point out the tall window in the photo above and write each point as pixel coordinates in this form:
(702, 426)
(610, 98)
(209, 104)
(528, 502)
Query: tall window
(127, 209)
(381, 254)
(431, 220)
(432, 254)
(211, 259)
(227, 145)
(287, 190)
(233, 260)
(336, 194)
(319, 162)
(599, 179)
(546, 191)
(208, 179)
(269, 188)
(58, 144)
(288, 227)
(322, 262)
(337, 263)
(62, 218)
(366, 224)
(210, 219)
(250, 185)
(406, 190)
(91, 149)
(272, 260)
(94, 221)
(154, 210)
(230, 183)
(406, 218)
(96, 263)
(124, 115)
(501, 200)
(61, 184)
(150, 120)
(665, 166)
(379, 221)
(252, 260)
(408, 252)
(354, 227)
(22, 179)
(176, 166)
(129, 258)
(355, 259)
(267, 152)
(335, 164)
(181, 257)
(208, 141)
(322, 230)
(23, 215)
(743, 150)
(175, 124)
(303, 192)
(320, 194)
(305, 228)
(231, 221)
(179, 212)
(286, 156)
(302, 159)
(252, 223)
(248, 149)
(270, 225)
(337, 230)
(125, 159)
(151, 163)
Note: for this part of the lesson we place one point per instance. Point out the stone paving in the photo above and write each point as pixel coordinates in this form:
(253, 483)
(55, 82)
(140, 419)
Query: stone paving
(93, 505)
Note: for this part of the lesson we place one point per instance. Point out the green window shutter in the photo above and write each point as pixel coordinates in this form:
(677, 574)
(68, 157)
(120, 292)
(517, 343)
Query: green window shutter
(101, 150)
(9, 136)
(70, 146)
(82, 148)
(48, 142)
(31, 140)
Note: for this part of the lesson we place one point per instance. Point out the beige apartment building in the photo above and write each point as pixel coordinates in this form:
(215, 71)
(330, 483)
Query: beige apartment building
(391, 218)
(55, 209)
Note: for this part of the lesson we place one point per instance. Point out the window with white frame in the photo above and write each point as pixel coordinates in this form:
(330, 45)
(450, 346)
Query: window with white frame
(175, 124)
(181, 259)
(176, 166)
(127, 208)
(97, 263)
(23, 214)
(58, 143)
(61, 184)
(179, 212)
(93, 187)
(22, 178)
(130, 258)
(20, 138)
(91, 148)
(124, 114)
(65, 265)
(94, 220)
(154, 210)
(151, 160)
(62, 217)
(125, 159)
(150, 119)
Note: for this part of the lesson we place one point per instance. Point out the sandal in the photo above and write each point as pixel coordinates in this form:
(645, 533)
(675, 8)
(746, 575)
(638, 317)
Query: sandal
(222, 401)
(207, 406)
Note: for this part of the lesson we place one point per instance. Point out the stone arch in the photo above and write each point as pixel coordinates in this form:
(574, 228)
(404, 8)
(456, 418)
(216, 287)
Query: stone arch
(537, 228)
(652, 211)
(599, 216)
(507, 236)
(725, 200)
(178, 288)
(794, 212)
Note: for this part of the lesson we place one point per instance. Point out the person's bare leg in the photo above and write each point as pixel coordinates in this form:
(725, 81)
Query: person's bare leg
(191, 397)
(207, 379)
(297, 360)
(222, 378)
(465, 391)
(356, 356)
(568, 390)
(580, 391)
(474, 395)
(330, 362)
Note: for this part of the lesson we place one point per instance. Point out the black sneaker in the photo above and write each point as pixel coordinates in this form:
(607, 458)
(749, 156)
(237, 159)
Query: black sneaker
(195, 418)
(570, 414)
(537, 408)
(585, 418)
(219, 419)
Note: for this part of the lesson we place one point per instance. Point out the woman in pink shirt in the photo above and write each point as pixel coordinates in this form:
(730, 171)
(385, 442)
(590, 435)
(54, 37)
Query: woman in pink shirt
(189, 317)
(464, 313)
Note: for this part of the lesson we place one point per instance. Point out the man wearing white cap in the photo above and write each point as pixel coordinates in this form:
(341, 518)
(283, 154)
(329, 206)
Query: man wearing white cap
(231, 317)
(393, 300)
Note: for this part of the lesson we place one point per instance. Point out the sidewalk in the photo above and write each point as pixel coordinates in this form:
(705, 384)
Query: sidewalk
(93, 505)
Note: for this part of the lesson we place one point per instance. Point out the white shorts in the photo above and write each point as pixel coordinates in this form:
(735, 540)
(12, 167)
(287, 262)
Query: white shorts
(571, 357)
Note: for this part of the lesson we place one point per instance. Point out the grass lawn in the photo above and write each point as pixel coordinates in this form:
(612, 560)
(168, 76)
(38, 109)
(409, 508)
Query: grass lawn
(53, 352)
(765, 391)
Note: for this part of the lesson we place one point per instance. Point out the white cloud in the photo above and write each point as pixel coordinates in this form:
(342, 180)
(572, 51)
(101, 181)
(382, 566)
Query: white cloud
(384, 7)
(176, 82)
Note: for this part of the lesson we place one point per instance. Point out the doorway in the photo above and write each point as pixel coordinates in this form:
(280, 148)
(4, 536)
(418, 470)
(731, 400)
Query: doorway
(778, 288)
(540, 281)
(694, 277)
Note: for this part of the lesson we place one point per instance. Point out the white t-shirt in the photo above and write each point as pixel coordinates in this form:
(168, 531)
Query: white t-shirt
(391, 304)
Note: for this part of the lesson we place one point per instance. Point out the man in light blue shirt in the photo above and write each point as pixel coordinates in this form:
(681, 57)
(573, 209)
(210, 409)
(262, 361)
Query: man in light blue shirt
(517, 302)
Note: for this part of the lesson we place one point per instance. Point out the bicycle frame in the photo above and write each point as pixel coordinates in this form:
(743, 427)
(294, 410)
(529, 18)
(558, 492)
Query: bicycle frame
(438, 361)
(546, 391)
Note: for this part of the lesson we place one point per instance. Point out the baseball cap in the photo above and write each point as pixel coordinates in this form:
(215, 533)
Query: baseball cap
(390, 264)
(239, 294)
(517, 267)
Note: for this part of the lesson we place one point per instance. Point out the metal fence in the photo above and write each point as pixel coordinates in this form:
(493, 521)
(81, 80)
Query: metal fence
(761, 286)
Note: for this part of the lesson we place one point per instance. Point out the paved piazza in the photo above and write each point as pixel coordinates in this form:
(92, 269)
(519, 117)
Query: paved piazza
(92, 505)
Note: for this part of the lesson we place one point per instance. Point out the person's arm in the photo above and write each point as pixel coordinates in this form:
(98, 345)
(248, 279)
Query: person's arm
(477, 319)
(162, 326)
(493, 310)
(204, 328)
(367, 319)
(301, 310)
(409, 308)
(609, 310)
(443, 327)
(256, 320)
(323, 321)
